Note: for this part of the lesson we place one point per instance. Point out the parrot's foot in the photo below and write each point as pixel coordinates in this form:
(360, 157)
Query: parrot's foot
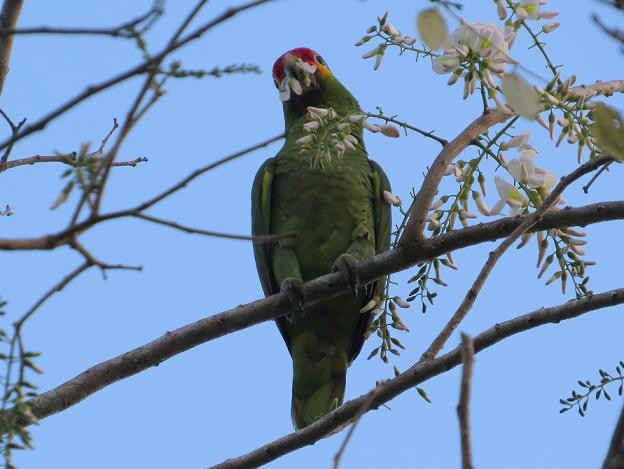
(347, 265)
(293, 289)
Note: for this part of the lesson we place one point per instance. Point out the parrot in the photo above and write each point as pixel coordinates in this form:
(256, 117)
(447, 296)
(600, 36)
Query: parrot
(337, 216)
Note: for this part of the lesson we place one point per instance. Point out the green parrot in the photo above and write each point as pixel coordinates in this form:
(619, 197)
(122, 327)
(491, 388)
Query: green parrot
(338, 216)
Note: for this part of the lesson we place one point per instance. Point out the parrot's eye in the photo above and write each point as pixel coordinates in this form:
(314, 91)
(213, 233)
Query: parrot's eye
(320, 60)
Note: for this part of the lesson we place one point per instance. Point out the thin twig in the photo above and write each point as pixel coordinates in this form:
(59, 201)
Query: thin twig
(124, 30)
(217, 234)
(365, 408)
(136, 112)
(198, 172)
(463, 408)
(15, 128)
(587, 186)
(68, 159)
(46, 296)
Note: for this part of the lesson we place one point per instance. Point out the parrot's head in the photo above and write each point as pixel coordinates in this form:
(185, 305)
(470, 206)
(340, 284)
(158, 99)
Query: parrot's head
(299, 72)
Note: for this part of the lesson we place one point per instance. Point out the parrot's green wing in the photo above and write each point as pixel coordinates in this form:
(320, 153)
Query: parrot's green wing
(261, 193)
(261, 223)
(382, 223)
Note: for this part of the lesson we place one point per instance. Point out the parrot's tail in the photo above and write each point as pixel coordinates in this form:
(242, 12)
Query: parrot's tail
(323, 400)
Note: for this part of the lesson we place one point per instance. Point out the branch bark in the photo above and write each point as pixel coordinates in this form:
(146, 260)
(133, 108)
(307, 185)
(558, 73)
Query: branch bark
(615, 455)
(417, 374)
(463, 408)
(429, 188)
(8, 19)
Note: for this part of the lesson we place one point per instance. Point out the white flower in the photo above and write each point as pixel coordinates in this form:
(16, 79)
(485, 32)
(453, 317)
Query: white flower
(378, 53)
(472, 47)
(524, 170)
(311, 126)
(390, 131)
(305, 140)
(371, 127)
(391, 199)
(391, 30)
(481, 205)
(317, 113)
(501, 10)
(530, 8)
(400, 302)
(550, 27)
(509, 195)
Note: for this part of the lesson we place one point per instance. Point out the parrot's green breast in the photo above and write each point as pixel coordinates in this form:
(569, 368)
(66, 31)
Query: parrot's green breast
(327, 208)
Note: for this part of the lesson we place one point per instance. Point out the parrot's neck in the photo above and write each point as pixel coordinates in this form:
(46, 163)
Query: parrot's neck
(331, 93)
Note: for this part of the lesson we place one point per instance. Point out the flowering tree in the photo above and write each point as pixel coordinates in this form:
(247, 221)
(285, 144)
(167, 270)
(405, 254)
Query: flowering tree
(451, 209)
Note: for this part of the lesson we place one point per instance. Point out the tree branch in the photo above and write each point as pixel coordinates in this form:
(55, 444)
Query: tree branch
(615, 455)
(463, 408)
(417, 374)
(125, 30)
(216, 234)
(424, 198)
(139, 69)
(52, 241)
(8, 19)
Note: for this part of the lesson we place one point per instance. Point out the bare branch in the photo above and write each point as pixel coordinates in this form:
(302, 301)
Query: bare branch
(216, 234)
(14, 131)
(429, 188)
(198, 172)
(68, 159)
(615, 455)
(63, 237)
(8, 19)
(143, 67)
(137, 110)
(55, 289)
(600, 88)
(494, 256)
(124, 30)
(463, 408)
(420, 372)
(91, 260)
(366, 405)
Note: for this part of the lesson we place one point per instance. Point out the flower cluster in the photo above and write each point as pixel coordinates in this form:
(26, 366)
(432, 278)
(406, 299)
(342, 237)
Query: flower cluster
(476, 51)
(329, 134)
(299, 75)
(391, 36)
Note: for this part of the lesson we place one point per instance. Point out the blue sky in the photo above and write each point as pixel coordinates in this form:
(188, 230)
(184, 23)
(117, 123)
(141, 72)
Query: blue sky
(229, 396)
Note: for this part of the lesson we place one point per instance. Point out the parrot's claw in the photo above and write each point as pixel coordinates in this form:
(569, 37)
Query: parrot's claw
(293, 289)
(347, 265)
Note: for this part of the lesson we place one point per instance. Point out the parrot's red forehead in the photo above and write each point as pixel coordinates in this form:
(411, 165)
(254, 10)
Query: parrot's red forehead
(303, 53)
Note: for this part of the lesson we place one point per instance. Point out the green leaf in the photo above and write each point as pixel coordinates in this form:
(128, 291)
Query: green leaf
(432, 27)
(608, 130)
(521, 96)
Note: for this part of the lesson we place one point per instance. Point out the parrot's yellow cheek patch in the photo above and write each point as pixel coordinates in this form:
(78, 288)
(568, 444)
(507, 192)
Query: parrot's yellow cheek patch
(323, 70)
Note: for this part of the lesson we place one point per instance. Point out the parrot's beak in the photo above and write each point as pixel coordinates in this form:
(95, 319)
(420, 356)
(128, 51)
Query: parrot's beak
(299, 77)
